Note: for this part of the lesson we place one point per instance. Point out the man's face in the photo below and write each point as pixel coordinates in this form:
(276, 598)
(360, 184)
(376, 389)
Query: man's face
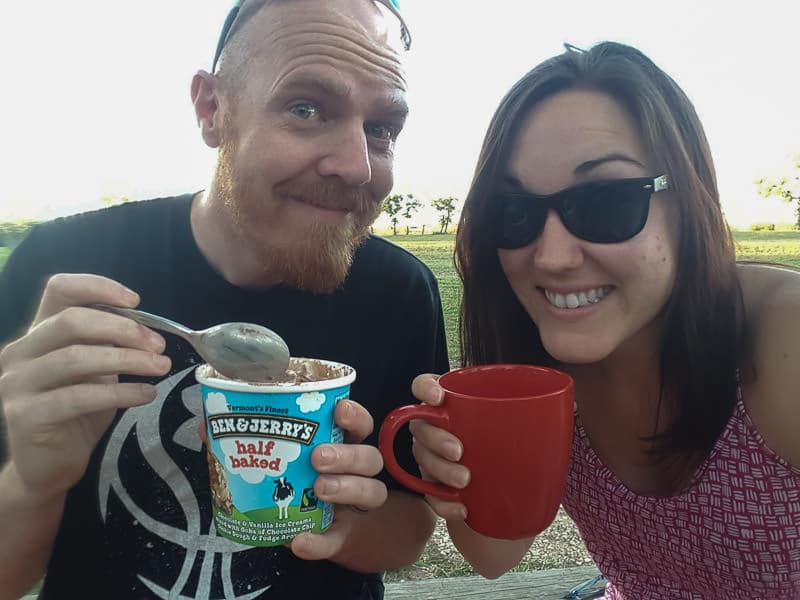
(308, 136)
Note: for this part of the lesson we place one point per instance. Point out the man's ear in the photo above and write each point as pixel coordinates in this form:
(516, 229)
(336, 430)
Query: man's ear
(206, 107)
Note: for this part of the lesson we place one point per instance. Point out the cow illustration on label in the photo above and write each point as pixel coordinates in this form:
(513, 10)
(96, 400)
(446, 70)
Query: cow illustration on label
(283, 496)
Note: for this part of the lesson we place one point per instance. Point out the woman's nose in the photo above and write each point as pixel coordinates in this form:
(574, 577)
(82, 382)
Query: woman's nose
(556, 248)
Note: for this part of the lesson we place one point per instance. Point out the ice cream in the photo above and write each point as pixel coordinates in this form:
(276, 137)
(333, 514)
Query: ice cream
(300, 370)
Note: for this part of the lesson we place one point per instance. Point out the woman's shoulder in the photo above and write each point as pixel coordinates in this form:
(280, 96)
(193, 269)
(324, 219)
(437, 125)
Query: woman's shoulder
(771, 295)
(762, 283)
(772, 306)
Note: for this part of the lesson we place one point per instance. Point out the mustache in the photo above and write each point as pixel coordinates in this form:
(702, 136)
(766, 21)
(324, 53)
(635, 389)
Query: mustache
(330, 195)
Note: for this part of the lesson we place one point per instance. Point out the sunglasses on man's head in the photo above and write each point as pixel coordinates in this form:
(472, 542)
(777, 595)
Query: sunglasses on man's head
(392, 5)
(605, 212)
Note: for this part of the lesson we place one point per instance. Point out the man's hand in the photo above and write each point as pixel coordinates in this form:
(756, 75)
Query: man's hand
(59, 385)
(346, 478)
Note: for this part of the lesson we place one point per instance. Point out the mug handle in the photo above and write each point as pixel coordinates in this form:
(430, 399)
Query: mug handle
(391, 425)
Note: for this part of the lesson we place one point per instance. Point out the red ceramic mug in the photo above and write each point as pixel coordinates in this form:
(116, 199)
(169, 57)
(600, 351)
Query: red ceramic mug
(515, 424)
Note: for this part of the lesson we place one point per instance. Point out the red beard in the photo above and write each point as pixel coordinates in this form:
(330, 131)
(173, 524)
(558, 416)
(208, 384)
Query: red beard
(318, 259)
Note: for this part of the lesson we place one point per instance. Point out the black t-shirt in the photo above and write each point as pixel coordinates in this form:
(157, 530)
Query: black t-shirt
(138, 525)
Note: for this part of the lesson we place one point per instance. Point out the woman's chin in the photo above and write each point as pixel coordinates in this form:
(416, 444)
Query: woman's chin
(575, 351)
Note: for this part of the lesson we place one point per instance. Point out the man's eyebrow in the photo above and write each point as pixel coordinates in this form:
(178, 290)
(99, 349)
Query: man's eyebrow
(588, 165)
(394, 104)
(316, 83)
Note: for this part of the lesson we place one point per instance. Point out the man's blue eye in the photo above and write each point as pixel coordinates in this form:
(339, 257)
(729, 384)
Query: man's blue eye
(304, 110)
(382, 132)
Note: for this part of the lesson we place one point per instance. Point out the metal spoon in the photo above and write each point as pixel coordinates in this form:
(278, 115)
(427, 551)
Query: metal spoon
(243, 351)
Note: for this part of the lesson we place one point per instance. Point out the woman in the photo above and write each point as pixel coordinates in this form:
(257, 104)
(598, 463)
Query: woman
(592, 240)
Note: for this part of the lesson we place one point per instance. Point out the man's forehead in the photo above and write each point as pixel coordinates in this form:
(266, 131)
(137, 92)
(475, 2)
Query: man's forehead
(345, 34)
(364, 17)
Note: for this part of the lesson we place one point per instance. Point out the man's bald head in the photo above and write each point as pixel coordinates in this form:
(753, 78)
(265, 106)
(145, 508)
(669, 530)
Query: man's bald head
(259, 19)
(233, 57)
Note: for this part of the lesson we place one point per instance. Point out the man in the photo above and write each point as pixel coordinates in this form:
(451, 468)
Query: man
(104, 484)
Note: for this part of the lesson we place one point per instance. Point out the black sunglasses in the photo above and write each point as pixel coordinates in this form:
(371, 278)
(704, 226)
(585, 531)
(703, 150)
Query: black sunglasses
(605, 212)
(392, 5)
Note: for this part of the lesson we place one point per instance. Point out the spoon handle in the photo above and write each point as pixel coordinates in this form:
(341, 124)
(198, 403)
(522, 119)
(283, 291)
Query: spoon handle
(149, 320)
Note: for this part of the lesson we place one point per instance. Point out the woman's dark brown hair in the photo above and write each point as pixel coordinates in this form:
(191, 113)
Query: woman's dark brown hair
(703, 337)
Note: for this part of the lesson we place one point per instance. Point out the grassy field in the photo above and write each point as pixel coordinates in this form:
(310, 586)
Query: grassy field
(782, 247)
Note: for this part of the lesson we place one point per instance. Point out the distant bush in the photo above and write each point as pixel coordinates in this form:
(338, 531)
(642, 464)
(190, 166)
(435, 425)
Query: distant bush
(762, 227)
(12, 232)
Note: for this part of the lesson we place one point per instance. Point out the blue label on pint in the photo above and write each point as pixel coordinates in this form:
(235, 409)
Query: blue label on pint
(260, 462)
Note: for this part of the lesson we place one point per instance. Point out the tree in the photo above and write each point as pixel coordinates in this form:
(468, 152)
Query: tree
(785, 187)
(410, 206)
(392, 207)
(445, 207)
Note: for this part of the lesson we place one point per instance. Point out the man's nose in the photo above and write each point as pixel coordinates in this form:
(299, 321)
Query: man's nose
(347, 156)
(557, 249)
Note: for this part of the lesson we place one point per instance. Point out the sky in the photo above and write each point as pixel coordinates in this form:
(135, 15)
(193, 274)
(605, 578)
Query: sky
(95, 94)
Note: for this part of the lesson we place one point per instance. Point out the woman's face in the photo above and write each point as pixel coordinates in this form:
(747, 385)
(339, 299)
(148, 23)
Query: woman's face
(587, 299)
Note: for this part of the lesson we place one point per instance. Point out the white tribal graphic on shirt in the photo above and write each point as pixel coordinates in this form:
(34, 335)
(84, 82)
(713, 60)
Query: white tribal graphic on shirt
(145, 420)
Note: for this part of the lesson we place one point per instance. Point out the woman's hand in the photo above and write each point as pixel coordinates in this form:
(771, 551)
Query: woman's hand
(437, 451)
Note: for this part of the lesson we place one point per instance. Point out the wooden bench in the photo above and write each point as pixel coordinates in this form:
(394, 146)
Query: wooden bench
(529, 585)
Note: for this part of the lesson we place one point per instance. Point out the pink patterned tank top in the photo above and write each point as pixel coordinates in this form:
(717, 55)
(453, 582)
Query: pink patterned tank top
(733, 534)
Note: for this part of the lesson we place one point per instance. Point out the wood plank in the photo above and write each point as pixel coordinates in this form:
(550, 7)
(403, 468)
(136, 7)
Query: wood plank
(531, 585)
